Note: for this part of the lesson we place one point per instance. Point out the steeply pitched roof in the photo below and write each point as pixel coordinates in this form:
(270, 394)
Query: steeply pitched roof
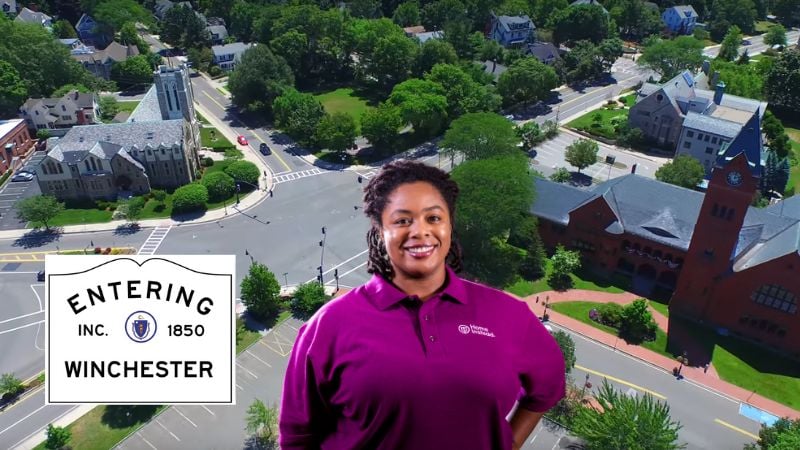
(543, 51)
(684, 11)
(219, 30)
(748, 141)
(734, 101)
(429, 35)
(26, 15)
(711, 124)
(554, 201)
(588, 2)
(125, 135)
(515, 22)
(789, 207)
(115, 52)
(236, 47)
(148, 109)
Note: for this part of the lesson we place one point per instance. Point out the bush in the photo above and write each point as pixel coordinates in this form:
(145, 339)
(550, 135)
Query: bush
(244, 171)
(636, 322)
(307, 299)
(219, 185)
(207, 162)
(192, 197)
(630, 137)
(158, 195)
(610, 314)
(561, 175)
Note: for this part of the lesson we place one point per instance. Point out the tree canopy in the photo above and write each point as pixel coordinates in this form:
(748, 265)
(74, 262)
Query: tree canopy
(526, 81)
(479, 136)
(259, 292)
(13, 91)
(784, 434)
(669, 57)
(776, 35)
(259, 78)
(727, 13)
(729, 50)
(336, 132)
(462, 92)
(421, 103)
(782, 85)
(380, 125)
(298, 114)
(685, 171)
(116, 13)
(587, 61)
(580, 22)
(39, 209)
(581, 153)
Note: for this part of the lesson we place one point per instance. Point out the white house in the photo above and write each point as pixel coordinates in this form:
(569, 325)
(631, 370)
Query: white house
(74, 108)
(228, 55)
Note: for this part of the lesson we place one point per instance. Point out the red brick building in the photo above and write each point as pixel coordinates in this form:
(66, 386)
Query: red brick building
(15, 142)
(721, 262)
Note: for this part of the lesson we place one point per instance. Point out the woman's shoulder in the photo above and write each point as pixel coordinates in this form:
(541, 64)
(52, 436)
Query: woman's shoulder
(343, 305)
(495, 298)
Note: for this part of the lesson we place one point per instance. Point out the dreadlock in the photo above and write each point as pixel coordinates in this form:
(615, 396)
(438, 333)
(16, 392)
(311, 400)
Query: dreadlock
(376, 196)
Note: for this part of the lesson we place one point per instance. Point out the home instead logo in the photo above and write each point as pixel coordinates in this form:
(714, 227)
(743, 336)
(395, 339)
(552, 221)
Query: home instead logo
(140, 330)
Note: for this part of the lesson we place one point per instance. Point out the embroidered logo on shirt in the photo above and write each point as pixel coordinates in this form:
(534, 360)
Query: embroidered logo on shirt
(474, 329)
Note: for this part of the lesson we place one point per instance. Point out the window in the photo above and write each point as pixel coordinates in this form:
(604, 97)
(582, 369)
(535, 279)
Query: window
(66, 117)
(729, 216)
(714, 140)
(162, 152)
(583, 245)
(87, 165)
(723, 211)
(60, 169)
(63, 108)
(715, 210)
(690, 134)
(777, 297)
(166, 168)
(687, 144)
(699, 136)
(707, 137)
(709, 150)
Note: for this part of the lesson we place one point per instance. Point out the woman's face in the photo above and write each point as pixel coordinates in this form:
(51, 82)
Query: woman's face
(416, 229)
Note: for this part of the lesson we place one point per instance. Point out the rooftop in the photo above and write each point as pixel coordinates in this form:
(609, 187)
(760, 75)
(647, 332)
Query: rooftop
(236, 47)
(711, 124)
(7, 125)
(148, 109)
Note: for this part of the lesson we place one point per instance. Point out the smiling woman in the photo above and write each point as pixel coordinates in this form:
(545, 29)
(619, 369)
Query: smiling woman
(418, 357)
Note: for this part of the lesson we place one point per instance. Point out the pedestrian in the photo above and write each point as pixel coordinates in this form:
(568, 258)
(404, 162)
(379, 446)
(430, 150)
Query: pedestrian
(418, 358)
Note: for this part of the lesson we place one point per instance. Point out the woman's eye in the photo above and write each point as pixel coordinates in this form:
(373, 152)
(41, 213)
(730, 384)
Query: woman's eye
(402, 221)
(435, 219)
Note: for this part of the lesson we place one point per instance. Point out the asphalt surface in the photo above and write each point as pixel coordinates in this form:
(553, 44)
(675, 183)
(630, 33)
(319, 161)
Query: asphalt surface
(756, 46)
(15, 191)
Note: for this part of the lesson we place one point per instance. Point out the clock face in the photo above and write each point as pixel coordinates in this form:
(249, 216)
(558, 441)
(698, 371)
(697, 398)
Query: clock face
(734, 178)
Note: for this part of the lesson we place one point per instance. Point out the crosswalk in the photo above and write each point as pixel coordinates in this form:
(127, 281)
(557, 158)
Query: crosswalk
(154, 240)
(368, 175)
(283, 178)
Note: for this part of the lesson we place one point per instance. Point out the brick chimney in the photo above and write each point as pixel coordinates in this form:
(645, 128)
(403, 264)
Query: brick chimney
(719, 92)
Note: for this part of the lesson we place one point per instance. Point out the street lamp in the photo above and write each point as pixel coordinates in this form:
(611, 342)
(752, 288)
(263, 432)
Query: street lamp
(286, 279)
(684, 361)
(336, 275)
(252, 261)
(237, 192)
(586, 385)
(322, 254)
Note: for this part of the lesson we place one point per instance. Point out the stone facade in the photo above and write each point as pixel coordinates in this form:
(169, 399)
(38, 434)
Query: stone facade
(15, 142)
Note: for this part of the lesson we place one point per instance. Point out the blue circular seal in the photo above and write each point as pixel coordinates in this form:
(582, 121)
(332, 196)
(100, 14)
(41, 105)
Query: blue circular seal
(141, 326)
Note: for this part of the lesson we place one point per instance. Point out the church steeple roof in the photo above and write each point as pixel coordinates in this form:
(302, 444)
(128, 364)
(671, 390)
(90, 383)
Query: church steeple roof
(749, 142)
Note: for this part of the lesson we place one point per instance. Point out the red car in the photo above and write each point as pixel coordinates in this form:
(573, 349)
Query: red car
(241, 140)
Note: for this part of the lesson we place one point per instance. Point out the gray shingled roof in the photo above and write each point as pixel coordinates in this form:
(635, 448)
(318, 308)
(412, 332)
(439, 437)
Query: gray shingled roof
(236, 47)
(554, 201)
(126, 135)
(508, 21)
(219, 30)
(26, 15)
(734, 101)
(789, 207)
(711, 124)
(148, 109)
(683, 9)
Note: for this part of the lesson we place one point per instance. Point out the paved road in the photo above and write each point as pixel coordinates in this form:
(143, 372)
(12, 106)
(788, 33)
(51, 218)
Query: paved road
(756, 46)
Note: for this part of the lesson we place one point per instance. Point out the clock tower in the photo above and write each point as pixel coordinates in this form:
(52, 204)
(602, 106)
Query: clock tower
(731, 189)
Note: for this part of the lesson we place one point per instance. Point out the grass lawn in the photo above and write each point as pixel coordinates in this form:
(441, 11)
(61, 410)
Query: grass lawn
(201, 118)
(127, 106)
(344, 100)
(78, 216)
(794, 174)
(629, 100)
(660, 307)
(603, 128)
(218, 143)
(580, 311)
(762, 26)
(581, 280)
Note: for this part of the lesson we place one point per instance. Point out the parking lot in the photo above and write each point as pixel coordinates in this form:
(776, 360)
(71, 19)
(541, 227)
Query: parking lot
(21, 321)
(14, 191)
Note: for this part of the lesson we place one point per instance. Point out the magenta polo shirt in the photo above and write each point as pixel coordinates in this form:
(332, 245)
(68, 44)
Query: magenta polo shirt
(376, 368)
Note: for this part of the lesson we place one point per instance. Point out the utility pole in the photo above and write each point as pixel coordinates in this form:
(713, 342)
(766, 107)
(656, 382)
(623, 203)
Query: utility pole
(336, 275)
(322, 254)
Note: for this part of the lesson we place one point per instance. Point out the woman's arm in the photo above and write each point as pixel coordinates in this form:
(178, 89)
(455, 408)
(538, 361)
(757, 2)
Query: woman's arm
(522, 424)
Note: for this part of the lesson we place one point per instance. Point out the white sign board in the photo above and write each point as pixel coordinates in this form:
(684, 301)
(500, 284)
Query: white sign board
(140, 329)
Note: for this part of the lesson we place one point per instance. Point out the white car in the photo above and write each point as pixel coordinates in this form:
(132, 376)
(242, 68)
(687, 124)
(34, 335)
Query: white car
(22, 176)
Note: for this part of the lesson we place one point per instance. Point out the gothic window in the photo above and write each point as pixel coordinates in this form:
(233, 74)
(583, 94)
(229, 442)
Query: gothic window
(94, 166)
(777, 297)
(729, 216)
(723, 211)
(715, 210)
(87, 165)
(169, 101)
(60, 169)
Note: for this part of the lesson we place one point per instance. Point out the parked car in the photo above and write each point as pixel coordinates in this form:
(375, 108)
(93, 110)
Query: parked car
(264, 149)
(509, 116)
(241, 140)
(40, 275)
(22, 176)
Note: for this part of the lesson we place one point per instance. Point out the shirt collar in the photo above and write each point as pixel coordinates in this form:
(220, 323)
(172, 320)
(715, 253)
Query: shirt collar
(384, 294)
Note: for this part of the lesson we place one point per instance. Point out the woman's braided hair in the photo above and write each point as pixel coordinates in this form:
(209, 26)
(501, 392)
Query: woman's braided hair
(376, 196)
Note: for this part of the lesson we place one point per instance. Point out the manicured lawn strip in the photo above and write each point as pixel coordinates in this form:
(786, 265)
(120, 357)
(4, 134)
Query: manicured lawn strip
(580, 311)
(629, 100)
(78, 217)
(127, 106)
(586, 122)
(245, 339)
(762, 26)
(581, 280)
(794, 173)
(660, 307)
(218, 144)
(201, 118)
(344, 100)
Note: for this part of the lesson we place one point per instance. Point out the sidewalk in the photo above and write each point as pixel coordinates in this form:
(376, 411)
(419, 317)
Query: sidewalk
(694, 375)
(248, 202)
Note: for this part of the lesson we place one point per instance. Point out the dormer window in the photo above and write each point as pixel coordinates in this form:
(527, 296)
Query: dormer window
(63, 108)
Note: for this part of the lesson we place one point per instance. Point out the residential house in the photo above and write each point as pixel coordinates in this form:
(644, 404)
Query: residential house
(588, 2)
(156, 147)
(74, 108)
(680, 19)
(90, 33)
(15, 143)
(511, 31)
(9, 7)
(72, 43)
(228, 55)
(545, 52)
(38, 18)
(413, 31)
(421, 35)
(661, 110)
(100, 62)
(217, 34)
(494, 69)
(720, 262)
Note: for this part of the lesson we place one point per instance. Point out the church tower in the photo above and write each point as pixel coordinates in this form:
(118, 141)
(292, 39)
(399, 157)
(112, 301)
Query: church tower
(174, 90)
(731, 189)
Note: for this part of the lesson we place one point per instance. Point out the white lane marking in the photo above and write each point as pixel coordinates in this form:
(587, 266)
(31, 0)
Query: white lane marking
(209, 411)
(37, 296)
(146, 441)
(22, 420)
(22, 316)
(239, 387)
(245, 369)
(353, 269)
(155, 239)
(187, 419)
(23, 326)
(36, 339)
(40, 429)
(340, 265)
(167, 430)
(256, 357)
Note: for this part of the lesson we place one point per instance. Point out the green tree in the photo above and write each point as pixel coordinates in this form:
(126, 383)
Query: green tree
(129, 36)
(108, 107)
(580, 22)
(728, 13)
(561, 175)
(463, 94)
(782, 85)
(159, 195)
(65, 89)
(57, 437)
(134, 71)
(776, 35)
(635, 20)
(670, 57)
(435, 51)
(190, 198)
(242, 17)
(581, 153)
(547, 11)
(495, 192)
(11, 385)
(200, 58)
(43, 134)
(13, 91)
(220, 186)
(567, 346)
(260, 292)
(563, 262)
(436, 14)
(480, 136)
(407, 14)
(525, 235)
(684, 170)
(775, 175)
(784, 434)
(116, 13)
(262, 422)
(526, 81)
(629, 422)
(460, 35)
(788, 11)
(392, 61)
(777, 138)
(293, 47)
(62, 29)
(133, 209)
(636, 323)
(421, 103)
(588, 61)
(244, 171)
(181, 27)
(729, 50)
(367, 9)
(307, 299)
(744, 80)
(531, 135)
(336, 132)
(39, 209)
(380, 125)
(492, 51)
(298, 114)
(259, 79)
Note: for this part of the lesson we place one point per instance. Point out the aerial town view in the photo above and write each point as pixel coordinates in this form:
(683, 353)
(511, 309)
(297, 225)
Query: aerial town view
(615, 182)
